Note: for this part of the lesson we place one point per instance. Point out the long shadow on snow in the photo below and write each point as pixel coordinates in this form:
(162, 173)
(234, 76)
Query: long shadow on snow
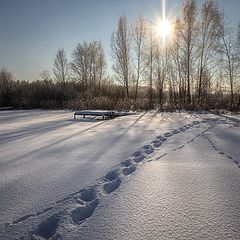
(13, 116)
(52, 144)
(35, 129)
(118, 138)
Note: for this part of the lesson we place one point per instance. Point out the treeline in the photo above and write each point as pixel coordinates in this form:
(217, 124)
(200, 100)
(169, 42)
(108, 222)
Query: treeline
(197, 67)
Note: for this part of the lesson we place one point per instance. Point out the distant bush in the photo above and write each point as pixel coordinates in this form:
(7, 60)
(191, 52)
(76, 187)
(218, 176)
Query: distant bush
(75, 96)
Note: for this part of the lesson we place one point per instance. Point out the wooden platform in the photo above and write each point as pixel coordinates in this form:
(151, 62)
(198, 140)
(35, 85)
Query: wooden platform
(103, 114)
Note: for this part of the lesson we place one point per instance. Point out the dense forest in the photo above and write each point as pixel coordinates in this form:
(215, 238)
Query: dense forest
(197, 68)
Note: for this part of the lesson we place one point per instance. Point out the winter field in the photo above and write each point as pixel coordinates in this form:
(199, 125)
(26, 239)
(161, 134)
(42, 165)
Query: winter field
(144, 176)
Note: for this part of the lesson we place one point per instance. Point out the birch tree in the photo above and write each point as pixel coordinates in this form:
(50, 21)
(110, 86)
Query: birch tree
(61, 67)
(209, 33)
(229, 55)
(139, 34)
(121, 45)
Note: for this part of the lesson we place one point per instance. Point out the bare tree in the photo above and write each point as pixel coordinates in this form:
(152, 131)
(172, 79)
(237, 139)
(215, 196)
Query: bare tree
(177, 63)
(163, 71)
(80, 63)
(61, 67)
(6, 87)
(229, 55)
(89, 64)
(121, 43)
(139, 33)
(45, 75)
(209, 33)
(149, 61)
(188, 32)
(238, 58)
(100, 65)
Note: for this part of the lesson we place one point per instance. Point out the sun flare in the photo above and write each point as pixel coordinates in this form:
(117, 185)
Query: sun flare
(164, 28)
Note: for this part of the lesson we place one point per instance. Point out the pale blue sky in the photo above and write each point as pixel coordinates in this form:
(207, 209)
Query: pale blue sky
(31, 31)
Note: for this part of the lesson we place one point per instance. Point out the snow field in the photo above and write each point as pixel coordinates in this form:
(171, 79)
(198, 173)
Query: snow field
(73, 211)
(46, 155)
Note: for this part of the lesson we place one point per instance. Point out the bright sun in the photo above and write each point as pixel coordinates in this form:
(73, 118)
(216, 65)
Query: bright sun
(164, 28)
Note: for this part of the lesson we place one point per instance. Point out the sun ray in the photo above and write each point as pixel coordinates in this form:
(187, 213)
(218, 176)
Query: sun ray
(163, 9)
(163, 26)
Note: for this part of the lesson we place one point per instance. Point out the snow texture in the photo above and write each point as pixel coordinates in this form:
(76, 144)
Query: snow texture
(181, 182)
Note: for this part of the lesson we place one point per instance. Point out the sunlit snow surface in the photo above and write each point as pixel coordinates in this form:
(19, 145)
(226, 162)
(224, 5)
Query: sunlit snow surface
(145, 176)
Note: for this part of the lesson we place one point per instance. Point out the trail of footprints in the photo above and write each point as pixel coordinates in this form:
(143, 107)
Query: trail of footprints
(182, 146)
(220, 152)
(79, 206)
(213, 123)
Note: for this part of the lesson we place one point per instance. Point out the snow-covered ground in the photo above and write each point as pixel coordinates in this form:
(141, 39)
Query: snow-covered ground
(144, 176)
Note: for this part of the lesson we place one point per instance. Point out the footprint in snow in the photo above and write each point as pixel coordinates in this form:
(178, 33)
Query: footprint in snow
(137, 153)
(176, 131)
(157, 144)
(215, 148)
(168, 134)
(146, 146)
(148, 149)
(112, 175)
(128, 170)
(236, 161)
(178, 148)
(48, 229)
(163, 155)
(88, 194)
(139, 159)
(162, 138)
(112, 181)
(129, 167)
(82, 212)
(156, 141)
(192, 140)
(127, 163)
(87, 202)
(182, 129)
